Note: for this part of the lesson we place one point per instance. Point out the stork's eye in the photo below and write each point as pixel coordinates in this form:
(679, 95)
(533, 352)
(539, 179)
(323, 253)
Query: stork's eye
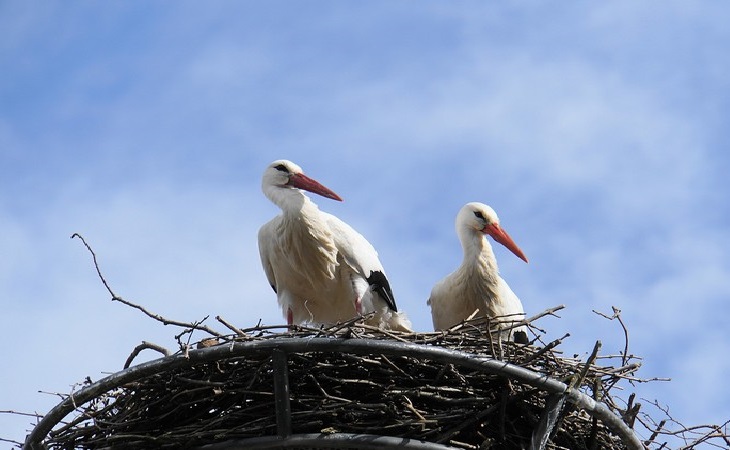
(282, 168)
(479, 215)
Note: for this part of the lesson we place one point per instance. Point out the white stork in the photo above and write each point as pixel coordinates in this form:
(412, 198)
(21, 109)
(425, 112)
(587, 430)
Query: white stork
(476, 284)
(322, 270)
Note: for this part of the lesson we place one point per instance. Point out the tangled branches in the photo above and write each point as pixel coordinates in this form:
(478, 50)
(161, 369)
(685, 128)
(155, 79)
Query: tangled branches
(339, 392)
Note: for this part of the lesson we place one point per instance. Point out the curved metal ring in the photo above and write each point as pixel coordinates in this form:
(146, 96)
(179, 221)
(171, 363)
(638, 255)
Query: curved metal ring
(335, 440)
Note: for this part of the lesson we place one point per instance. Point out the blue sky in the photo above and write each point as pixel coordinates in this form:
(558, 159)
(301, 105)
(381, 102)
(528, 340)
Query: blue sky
(596, 131)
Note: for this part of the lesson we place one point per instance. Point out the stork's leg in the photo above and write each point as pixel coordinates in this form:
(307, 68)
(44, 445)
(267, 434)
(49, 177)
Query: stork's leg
(289, 316)
(359, 290)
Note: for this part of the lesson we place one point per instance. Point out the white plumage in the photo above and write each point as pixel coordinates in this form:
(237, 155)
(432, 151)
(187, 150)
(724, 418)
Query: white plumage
(476, 284)
(321, 269)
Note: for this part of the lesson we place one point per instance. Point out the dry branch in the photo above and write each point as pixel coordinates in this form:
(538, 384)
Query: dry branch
(157, 317)
(143, 346)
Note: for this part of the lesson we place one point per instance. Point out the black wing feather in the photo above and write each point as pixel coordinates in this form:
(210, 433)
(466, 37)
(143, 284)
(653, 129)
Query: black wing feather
(380, 284)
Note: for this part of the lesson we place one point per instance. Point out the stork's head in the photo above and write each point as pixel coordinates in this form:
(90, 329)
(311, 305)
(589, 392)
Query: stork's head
(287, 175)
(477, 217)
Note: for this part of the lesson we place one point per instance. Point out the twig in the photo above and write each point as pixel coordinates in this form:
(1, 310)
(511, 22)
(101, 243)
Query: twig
(347, 324)
(545, 349)
(230, 327)
(632, 410)
(185, 347)
(96, 264)
(409, 405)
(385, 332)
(549, 311)
(11, 441)
(154, 316)
(617, 315)
(627, 368)
(589, 362)
(655, 433)
(166, 321)
(18, 413)
(145, 345)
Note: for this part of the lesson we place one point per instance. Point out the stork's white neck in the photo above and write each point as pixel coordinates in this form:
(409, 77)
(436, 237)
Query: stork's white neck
(290, 200)
(478, 256)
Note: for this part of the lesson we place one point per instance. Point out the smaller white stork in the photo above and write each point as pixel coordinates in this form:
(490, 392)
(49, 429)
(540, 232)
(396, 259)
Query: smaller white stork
(321, 269)
(476, 285)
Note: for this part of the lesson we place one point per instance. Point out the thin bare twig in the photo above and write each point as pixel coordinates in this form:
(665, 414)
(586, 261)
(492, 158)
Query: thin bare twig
(154, 316)
(145, 345)
(617, 316)
(549, 311)
(588, 365)
(19, 413)
(546, 349)
(230, 326)
(96, 264)
(11, 441)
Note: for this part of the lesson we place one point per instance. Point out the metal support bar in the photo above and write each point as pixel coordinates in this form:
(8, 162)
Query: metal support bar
(326, 441)
(548, 420)
(281, 393)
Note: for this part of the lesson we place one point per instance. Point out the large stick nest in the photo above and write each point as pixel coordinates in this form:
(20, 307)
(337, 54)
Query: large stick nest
(363, 390)
(341, 392)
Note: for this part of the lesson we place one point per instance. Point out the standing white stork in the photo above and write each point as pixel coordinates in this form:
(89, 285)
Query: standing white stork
(476, 284)
(321, 269)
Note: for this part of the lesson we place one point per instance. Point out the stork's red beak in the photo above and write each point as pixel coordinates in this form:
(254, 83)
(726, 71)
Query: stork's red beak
(503, 238)
(301, 181)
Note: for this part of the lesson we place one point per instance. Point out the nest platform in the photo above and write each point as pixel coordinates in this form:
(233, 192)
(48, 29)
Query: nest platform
(350, 386)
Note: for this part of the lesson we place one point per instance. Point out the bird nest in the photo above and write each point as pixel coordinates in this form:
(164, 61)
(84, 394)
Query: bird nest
(349, 386)
(353, 386)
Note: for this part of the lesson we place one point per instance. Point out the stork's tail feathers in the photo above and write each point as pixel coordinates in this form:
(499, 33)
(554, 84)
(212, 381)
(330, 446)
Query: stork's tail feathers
(391, 320)
(399, 322)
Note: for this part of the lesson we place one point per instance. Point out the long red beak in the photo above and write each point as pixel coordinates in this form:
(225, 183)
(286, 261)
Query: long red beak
(503, 238)
(301, 181)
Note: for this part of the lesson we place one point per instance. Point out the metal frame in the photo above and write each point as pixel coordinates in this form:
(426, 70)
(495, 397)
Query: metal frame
(335, 440)
(279, 347)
